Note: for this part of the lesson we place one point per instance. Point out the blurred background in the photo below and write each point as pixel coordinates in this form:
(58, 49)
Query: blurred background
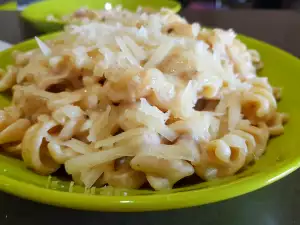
(210, 4)
(231, 4)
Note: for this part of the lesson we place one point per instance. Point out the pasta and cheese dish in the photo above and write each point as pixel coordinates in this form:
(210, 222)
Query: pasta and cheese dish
(138, 98)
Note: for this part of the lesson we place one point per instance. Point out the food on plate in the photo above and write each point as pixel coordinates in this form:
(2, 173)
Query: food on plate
(107, 15)
(152, 99)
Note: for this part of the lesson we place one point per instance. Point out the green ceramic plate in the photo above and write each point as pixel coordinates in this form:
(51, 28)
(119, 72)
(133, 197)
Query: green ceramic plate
(38, 12)
(282, 157)
(9, 6)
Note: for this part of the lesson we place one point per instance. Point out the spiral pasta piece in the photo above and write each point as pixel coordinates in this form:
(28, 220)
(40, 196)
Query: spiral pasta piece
(227, 155)
(60, 153)
(70, 118)
(275, 124)
(171, 170)
(14, 132)
(8, 78)
(7, 118)
(34, 148)
(120, 174)
(222, 157)
(259, 103)
(260, 133)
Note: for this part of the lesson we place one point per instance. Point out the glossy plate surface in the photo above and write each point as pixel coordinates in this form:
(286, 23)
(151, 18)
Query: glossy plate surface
(282, 156)
(37, 13)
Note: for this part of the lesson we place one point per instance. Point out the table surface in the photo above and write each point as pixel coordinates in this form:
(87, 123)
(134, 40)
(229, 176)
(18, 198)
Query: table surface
(276, 204)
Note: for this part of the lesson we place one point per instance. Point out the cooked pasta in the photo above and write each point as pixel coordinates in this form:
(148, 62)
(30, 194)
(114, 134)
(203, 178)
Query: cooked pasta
(128, 99)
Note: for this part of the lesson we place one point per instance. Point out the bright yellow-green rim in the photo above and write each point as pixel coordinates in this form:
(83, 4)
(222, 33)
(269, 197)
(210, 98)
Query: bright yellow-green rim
(161, 201)
(9, 6)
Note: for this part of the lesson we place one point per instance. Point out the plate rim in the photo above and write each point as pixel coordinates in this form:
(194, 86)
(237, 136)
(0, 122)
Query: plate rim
(27, 14)
(150, 202)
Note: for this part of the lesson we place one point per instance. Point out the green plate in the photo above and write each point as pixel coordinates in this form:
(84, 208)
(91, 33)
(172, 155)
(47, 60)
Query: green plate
(282, 157)
(37, 13)
(9, 6)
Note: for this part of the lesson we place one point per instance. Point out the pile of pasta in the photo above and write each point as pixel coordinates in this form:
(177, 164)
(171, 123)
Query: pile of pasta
(109, 15)
(125, 104)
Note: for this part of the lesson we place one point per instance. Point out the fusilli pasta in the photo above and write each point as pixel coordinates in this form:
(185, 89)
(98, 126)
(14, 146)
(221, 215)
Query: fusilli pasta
(146, 99)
